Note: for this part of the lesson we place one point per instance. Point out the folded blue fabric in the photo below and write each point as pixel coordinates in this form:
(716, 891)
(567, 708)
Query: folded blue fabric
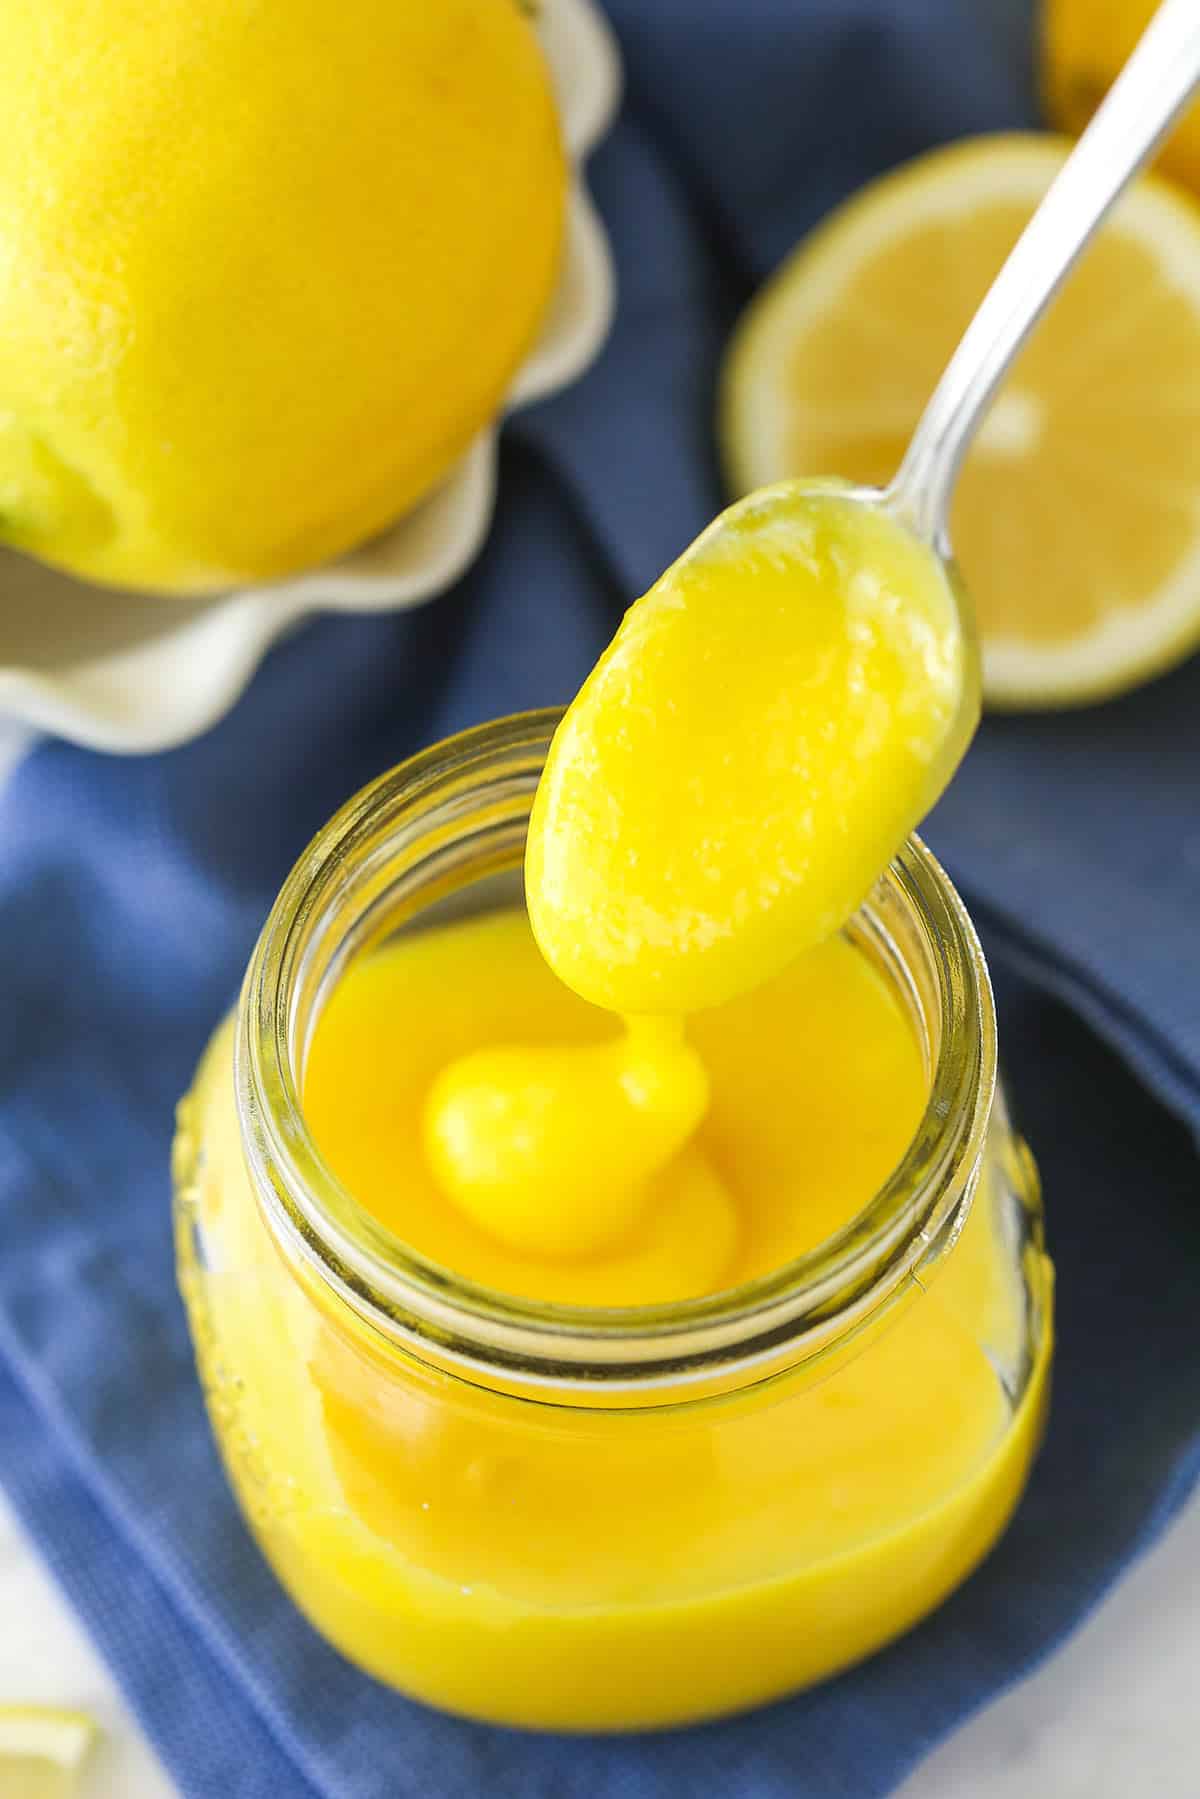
(130, 894)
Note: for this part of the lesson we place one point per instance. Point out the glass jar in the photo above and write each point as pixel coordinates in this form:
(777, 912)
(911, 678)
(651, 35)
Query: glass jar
(602, 1519)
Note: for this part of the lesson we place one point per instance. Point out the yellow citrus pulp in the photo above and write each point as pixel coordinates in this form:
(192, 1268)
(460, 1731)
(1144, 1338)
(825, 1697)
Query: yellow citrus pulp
(264, 271)
(1077, 519)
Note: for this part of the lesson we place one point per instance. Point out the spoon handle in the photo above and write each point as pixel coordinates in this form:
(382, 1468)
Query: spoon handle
(1150, 91)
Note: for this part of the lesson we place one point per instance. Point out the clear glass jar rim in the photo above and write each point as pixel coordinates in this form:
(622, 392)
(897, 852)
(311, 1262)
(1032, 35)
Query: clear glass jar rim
(475, 1329)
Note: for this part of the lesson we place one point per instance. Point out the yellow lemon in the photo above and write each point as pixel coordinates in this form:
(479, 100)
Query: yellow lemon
(1083, 45)
(503, 1126)
(1077, 519)
(264, 270)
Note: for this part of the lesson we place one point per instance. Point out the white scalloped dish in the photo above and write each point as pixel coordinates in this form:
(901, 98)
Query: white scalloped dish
(124, 672)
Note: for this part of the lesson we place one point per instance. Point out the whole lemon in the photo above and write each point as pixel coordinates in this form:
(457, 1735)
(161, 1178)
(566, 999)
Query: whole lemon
(266, 266)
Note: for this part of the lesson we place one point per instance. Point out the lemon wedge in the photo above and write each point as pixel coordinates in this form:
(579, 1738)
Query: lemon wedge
(1077, 519)
(42, 1750)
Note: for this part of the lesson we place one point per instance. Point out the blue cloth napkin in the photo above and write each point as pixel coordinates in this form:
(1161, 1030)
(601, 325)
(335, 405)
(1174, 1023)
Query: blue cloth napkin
(131, 892)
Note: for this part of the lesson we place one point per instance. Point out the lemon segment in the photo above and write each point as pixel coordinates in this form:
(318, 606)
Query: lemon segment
(1076, 523)
(42, 1750)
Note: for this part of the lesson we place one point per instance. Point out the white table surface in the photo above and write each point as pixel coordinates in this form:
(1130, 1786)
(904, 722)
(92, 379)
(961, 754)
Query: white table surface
(1112, 1716)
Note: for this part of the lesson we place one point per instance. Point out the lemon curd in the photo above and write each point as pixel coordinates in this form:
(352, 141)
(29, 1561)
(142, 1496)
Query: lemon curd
(776, 1161)
(265, 272)
(766, 1395)
(769, 721)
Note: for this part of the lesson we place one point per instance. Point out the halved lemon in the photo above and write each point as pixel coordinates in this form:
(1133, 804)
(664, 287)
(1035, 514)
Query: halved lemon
(1077, 518)
(42, 1750)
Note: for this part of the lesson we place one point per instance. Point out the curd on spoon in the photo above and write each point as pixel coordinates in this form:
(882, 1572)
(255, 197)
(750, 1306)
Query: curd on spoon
(767, 726)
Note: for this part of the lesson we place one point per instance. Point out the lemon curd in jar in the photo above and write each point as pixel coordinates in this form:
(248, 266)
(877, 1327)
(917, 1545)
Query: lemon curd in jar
(755, 1435)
